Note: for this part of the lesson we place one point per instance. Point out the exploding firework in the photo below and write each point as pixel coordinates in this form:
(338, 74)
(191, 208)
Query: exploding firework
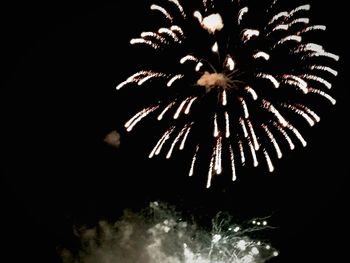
(244, 71)
(160, 235)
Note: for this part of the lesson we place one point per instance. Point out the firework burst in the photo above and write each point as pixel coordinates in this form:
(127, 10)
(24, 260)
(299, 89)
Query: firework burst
(243, 73)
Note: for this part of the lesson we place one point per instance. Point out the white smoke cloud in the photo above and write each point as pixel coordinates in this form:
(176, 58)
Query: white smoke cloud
(159, 235)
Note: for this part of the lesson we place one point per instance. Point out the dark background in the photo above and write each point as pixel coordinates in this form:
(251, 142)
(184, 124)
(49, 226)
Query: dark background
(61, 62)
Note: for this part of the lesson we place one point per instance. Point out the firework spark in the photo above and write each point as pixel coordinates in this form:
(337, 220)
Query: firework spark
(249, 79)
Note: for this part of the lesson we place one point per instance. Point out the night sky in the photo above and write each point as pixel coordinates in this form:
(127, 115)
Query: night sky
(61, 63)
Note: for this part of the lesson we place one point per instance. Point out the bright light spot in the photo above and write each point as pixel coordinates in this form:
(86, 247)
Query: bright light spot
(216, 238)
(212, 23)
(242, 245)
(215, 47)
(255, 251)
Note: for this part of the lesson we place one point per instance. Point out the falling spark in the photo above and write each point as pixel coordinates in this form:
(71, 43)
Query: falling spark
(180, 108)
(261, 54)
(241, 13)
(273, 141)
(268, 161)
(298, 135)
(175, 142)
(163, 11)
(324, 68)
(232, 157)
(188, 129)
(251, 92)
(241, 151)
(227, 126)
(161, 115)
(129, 125)
(194, 158)
(216, 129)
(271, 78)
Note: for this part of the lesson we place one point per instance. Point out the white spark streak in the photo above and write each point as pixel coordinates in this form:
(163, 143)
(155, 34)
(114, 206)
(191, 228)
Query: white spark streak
(198, 15)
(163, 11)
(227, 125)
(252, 150)
(241, 13)
(303, 20)
(244, 128)
(313, 28)
(180, 108)
(297, 134)
(310, 112)
(300, 112)
(300, 8)
(183, 142)
(175, 142)
(165, 137)
(296, 81)
(267, 105)
(173, 79)
(245, 108)
(318, 79)
(216, 129)
(268, 161)
(188, 58)
(161, 115)
(134, 78)
(168, 32)
(285, 135)
(189, 105)
(241, 152)
(194, 158)
(323, 94)
(324, 68)
(271, 78)
(152, 153)
(324, 54)
(218, 159)
(129, 125)
(224, 98)
(143, 76)
(179, 6)
(210, 172)
(157, 148)
(143, 41)
(252, 133)
(252, 92)
(279, 27)
(276, 17)
(232, 157)
(261, 54)
(288, 38)
(247, 34)
(273, 141)
(154, 35)
(177, 29)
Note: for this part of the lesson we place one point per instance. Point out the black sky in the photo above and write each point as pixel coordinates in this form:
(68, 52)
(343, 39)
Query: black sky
(61, 62)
